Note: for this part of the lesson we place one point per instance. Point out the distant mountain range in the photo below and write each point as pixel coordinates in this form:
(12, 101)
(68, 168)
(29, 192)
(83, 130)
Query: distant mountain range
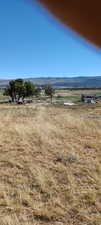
(91, 81)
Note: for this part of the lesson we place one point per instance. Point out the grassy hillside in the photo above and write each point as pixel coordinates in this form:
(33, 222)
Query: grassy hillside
(92, 81)
(69, 81)
(50, 165)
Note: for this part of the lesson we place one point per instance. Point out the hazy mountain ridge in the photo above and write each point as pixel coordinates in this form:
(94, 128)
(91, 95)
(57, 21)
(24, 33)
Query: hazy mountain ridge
(62, 81)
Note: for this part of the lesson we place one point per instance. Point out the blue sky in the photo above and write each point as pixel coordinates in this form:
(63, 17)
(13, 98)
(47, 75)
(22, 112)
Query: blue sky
(34, 44)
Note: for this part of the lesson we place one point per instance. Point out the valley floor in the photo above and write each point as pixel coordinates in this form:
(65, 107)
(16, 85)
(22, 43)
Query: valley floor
(50, 165)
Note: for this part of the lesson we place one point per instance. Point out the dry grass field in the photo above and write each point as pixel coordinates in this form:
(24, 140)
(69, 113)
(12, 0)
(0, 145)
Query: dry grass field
(50, 165)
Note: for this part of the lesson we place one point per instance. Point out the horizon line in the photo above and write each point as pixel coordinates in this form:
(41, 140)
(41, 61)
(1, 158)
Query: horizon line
(50, 77)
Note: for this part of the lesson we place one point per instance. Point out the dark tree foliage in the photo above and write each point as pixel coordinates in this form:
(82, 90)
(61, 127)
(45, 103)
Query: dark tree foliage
(50, 91)
(29, 88)
(37, 91)
(20, 89)
(10, 90)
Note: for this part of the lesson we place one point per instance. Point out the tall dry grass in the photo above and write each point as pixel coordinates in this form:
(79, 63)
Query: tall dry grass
(50, 166)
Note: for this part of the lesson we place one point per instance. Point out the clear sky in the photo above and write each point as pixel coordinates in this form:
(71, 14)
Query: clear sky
(33, 44)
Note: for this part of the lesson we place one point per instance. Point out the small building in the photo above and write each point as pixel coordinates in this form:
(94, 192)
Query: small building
(88, 98)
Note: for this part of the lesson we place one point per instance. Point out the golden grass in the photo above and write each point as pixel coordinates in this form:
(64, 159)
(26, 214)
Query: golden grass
(50, 166)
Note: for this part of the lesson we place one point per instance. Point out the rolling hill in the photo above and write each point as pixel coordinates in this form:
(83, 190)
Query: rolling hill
(90, 81)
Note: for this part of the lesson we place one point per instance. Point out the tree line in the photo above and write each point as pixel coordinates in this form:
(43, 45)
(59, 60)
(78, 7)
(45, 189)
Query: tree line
(19, 89)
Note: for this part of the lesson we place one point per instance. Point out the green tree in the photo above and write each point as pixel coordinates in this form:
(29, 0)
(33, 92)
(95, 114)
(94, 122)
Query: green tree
(37, 91)
(20, 89)
(50, 91)
(29, 88)
(10, 90)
